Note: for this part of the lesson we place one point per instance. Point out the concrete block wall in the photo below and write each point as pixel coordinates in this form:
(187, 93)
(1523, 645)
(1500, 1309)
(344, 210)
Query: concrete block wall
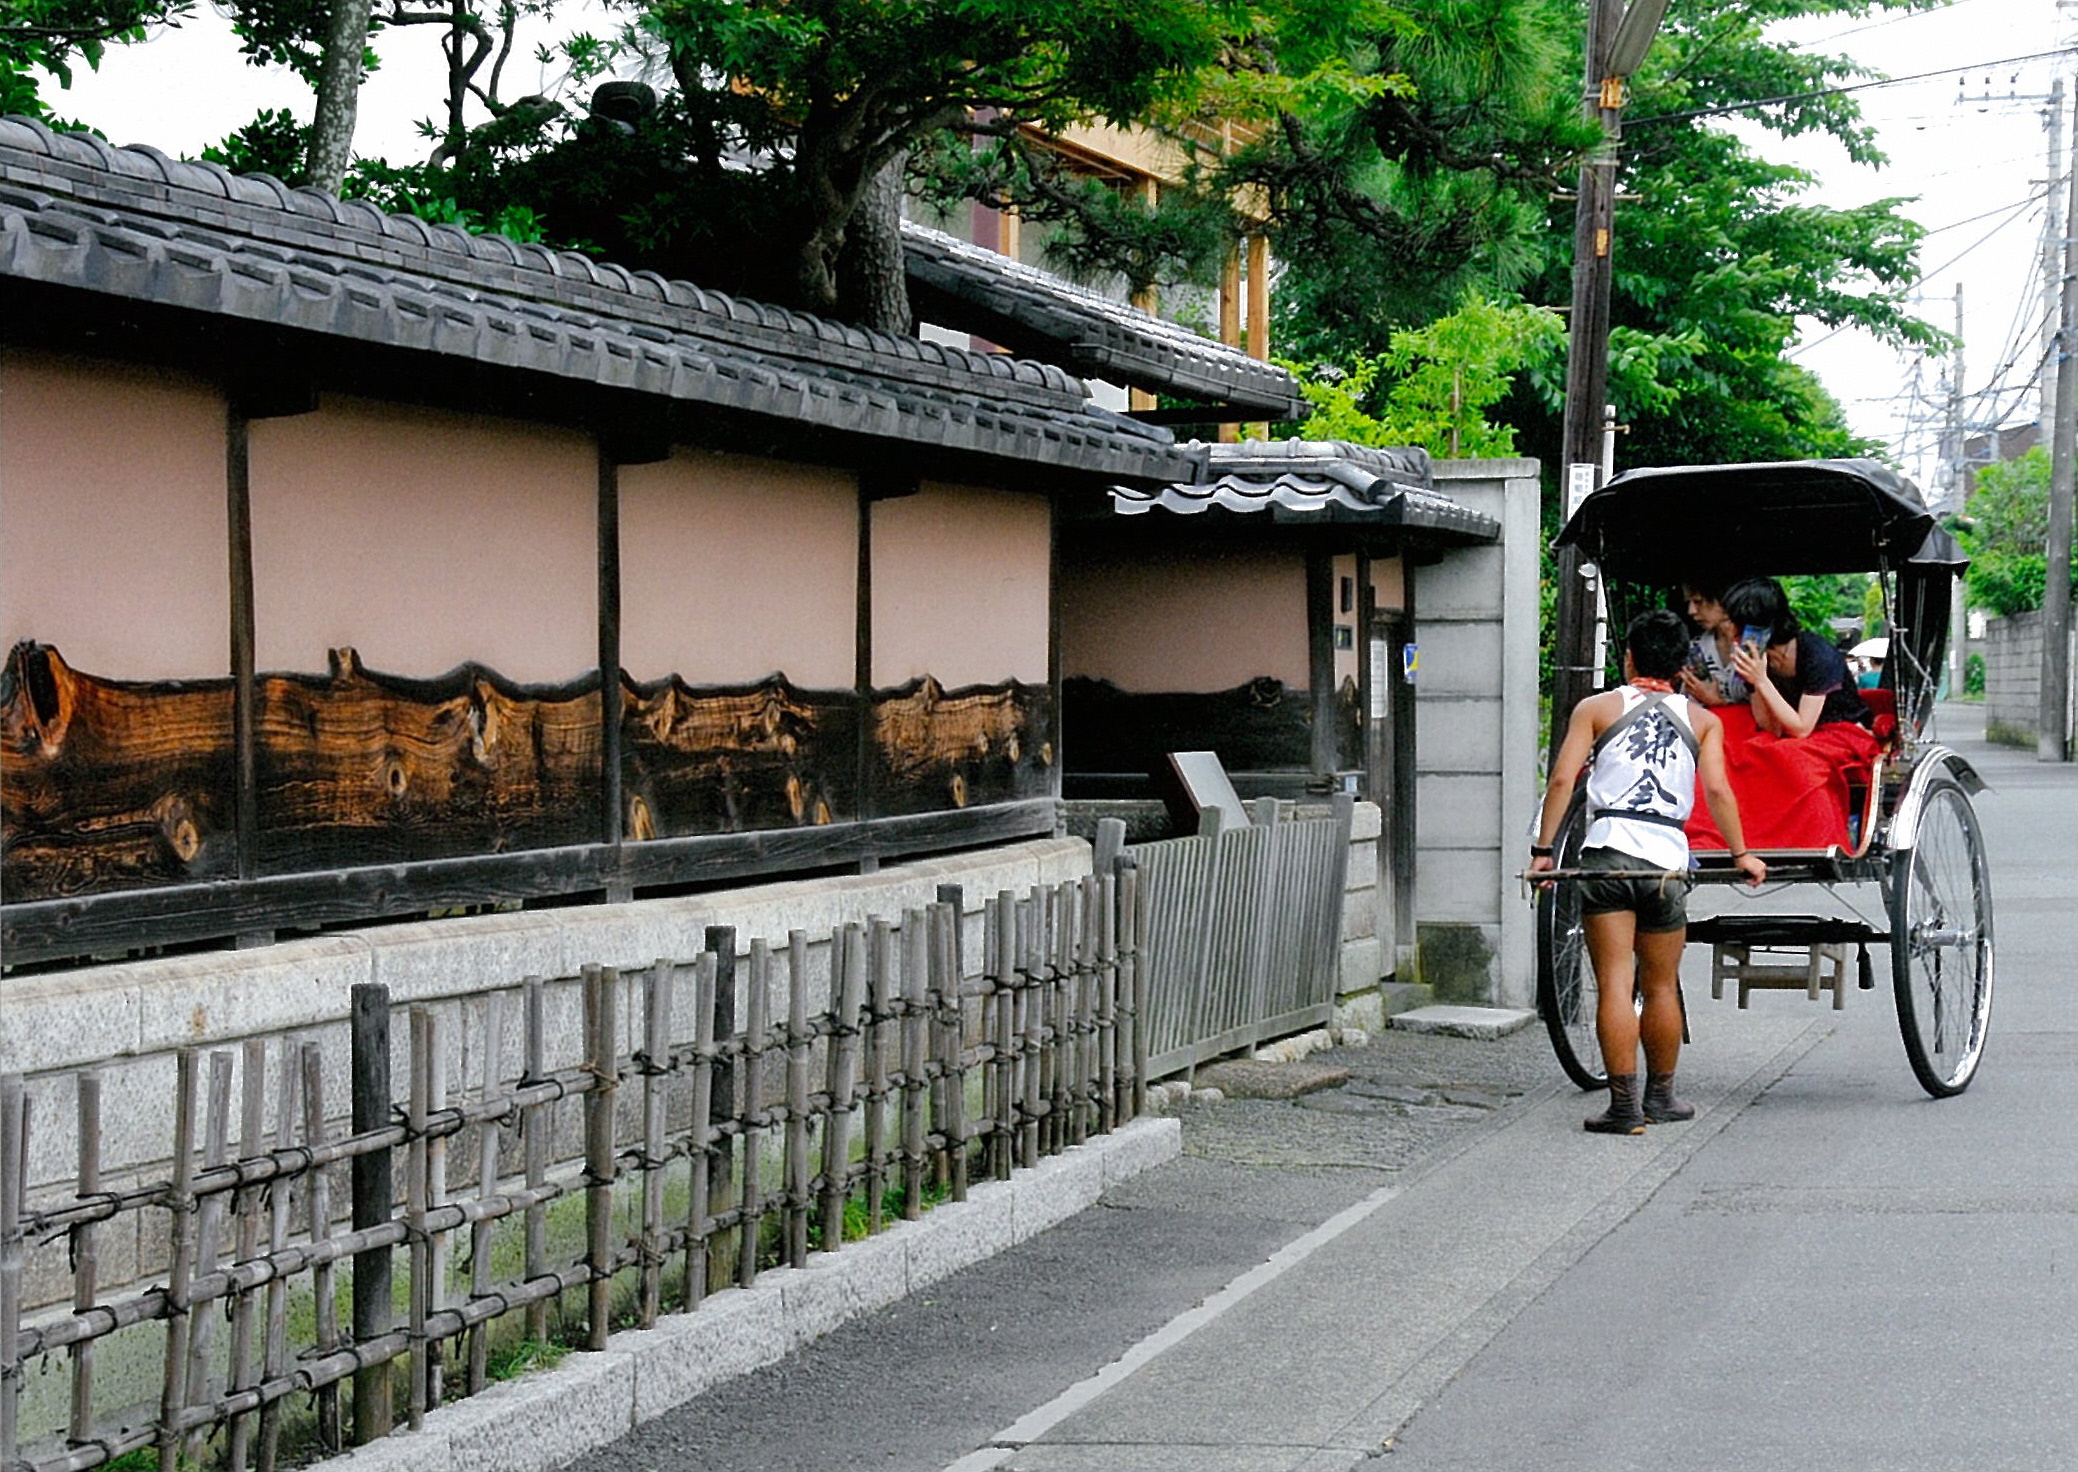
(2012, 649)
(1476, 743)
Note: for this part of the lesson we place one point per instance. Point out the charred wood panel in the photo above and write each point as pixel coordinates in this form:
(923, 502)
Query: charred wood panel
(1262, 726)
(360, 768)
(730, 759)
(980, 744)
(109, 785)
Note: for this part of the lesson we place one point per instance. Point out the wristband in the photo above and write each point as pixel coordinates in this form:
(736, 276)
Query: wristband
(1540, 850)
(1742, 853)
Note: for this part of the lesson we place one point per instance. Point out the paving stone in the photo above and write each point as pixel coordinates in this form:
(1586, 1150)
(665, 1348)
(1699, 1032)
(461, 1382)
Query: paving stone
(1398, 1093)
(1253, 1078)
(1465, 1022)
(1342, 1102)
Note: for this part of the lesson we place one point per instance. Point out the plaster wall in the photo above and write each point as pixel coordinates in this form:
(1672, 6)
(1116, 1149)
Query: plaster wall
(1200, 620)
(1476, 744)
(422, 539)
(960, 578)
(734, 567)
(114, 546)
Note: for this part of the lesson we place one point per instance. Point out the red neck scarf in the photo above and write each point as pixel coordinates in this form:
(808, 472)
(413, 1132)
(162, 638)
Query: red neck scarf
(1646, 682)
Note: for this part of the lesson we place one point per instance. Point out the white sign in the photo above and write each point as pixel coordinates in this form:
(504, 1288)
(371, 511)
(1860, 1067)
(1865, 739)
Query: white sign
(1580, 484)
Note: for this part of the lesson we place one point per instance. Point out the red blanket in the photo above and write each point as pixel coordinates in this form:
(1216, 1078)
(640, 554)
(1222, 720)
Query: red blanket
(1792, 793)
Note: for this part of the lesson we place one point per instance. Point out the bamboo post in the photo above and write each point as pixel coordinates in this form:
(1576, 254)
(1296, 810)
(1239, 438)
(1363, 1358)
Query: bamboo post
(721, 940)
(756, 1026)
(656, 1077)
(952, 1034)
(438, 1249)
(915, 1018)
(216, 1150)
(417, 1174)
(1031, 986)
(373, 1203)
(274, 1353)
(600, 985)
(700, 1151)
(796, 1158)
(86, 1258)
(1133, 922)
(1003, 999)
(880, 963)
(1088, 1120)
(320, 1200)
(847, 988)
(536, 1120)
(1061, 1093)
(482, 1239)
(252, 1137)
(180, 1204)
(1107, 1002)
(13, 1150)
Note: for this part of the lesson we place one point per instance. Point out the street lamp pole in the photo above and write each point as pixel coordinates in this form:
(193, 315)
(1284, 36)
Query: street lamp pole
(1617, 36)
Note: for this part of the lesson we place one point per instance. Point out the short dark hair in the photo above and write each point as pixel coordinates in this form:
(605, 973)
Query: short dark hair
(1658, 643)
(1761, 602)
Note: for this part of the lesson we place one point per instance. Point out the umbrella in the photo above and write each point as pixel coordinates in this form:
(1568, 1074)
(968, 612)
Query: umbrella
(1871, 649)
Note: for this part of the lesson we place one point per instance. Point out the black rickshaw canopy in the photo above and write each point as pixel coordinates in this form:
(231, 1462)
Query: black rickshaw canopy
(1668, 524)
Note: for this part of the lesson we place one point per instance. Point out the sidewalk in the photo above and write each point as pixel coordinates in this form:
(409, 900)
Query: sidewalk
(1282, 1296)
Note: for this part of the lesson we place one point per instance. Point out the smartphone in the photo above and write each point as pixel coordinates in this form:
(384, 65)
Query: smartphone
(1757, 637)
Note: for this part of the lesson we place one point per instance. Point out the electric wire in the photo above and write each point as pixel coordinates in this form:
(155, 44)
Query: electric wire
(1732, 107)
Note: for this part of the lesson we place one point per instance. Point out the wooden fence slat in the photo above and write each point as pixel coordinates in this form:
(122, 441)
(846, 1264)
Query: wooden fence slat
(600, 1163)
(915, 1087)
(880, 966)
(699, 1141)
(1107, 1001)
(847, 986)
(1001, 917)
(419, 1104)
(319, 1199)
(216, 1149)
(274, 1350)
(180, 1204)
(657, 985)
(239, 1374)
(13, 1153)
(795, 1162)
(481, 1235)
(944, 988)
(86, 1258)
(755, 1035)
(1032, 990)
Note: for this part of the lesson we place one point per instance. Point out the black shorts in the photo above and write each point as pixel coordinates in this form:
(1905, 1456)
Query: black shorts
(1660, 904)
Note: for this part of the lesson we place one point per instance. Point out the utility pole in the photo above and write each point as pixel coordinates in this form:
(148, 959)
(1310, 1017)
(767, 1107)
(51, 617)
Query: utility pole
(2052, 258)
(1617, 37)
(1958, 492)
(2052, 725)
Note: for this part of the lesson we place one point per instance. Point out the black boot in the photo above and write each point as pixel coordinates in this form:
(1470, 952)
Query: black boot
(1623, 1116)
(1661, 1107)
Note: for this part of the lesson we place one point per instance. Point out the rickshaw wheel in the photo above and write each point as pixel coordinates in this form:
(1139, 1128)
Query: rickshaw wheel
(1566, 992)
(1941, 941)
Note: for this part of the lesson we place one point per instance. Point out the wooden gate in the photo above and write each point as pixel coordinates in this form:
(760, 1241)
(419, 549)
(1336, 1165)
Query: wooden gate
(1243, 931)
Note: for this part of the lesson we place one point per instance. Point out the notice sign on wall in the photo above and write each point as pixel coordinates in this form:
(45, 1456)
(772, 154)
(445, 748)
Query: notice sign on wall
(1580, 484)
(1410, 661)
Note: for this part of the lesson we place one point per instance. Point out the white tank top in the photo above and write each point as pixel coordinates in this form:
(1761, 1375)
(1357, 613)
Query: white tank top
(1641, 780)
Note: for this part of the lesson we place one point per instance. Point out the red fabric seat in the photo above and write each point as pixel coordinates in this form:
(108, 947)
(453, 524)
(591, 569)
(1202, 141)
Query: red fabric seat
(1793, 793)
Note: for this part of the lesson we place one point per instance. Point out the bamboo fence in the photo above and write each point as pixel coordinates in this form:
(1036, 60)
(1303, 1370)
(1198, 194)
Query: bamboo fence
(712, 1146)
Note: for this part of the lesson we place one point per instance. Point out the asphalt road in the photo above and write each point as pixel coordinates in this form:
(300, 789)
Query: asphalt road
(1434, 1267)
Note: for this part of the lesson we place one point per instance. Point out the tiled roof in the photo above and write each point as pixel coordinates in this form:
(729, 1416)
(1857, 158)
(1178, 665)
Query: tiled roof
(1309, 482)
(134, 224)
(977, 290)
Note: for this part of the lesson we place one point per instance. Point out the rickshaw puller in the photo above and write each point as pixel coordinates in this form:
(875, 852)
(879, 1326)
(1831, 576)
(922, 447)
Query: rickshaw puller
(1643, 748)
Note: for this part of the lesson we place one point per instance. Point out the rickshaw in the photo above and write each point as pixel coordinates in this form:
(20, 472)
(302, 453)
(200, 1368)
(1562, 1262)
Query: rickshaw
(1913, 833)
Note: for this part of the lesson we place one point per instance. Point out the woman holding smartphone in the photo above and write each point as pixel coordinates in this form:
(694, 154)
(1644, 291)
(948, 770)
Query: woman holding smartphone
(1795, 745)
(1709, 676)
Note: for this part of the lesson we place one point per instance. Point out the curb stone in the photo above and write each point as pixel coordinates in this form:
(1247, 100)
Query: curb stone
(541, 1421)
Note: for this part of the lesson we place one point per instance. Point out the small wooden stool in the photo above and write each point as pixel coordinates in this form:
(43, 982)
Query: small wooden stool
(1780, 968)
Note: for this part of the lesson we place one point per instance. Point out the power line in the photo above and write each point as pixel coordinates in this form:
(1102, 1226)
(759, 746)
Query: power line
(1731, 107)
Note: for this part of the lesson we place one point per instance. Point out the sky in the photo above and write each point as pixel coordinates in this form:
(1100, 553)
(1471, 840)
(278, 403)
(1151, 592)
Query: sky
(1968, 143)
